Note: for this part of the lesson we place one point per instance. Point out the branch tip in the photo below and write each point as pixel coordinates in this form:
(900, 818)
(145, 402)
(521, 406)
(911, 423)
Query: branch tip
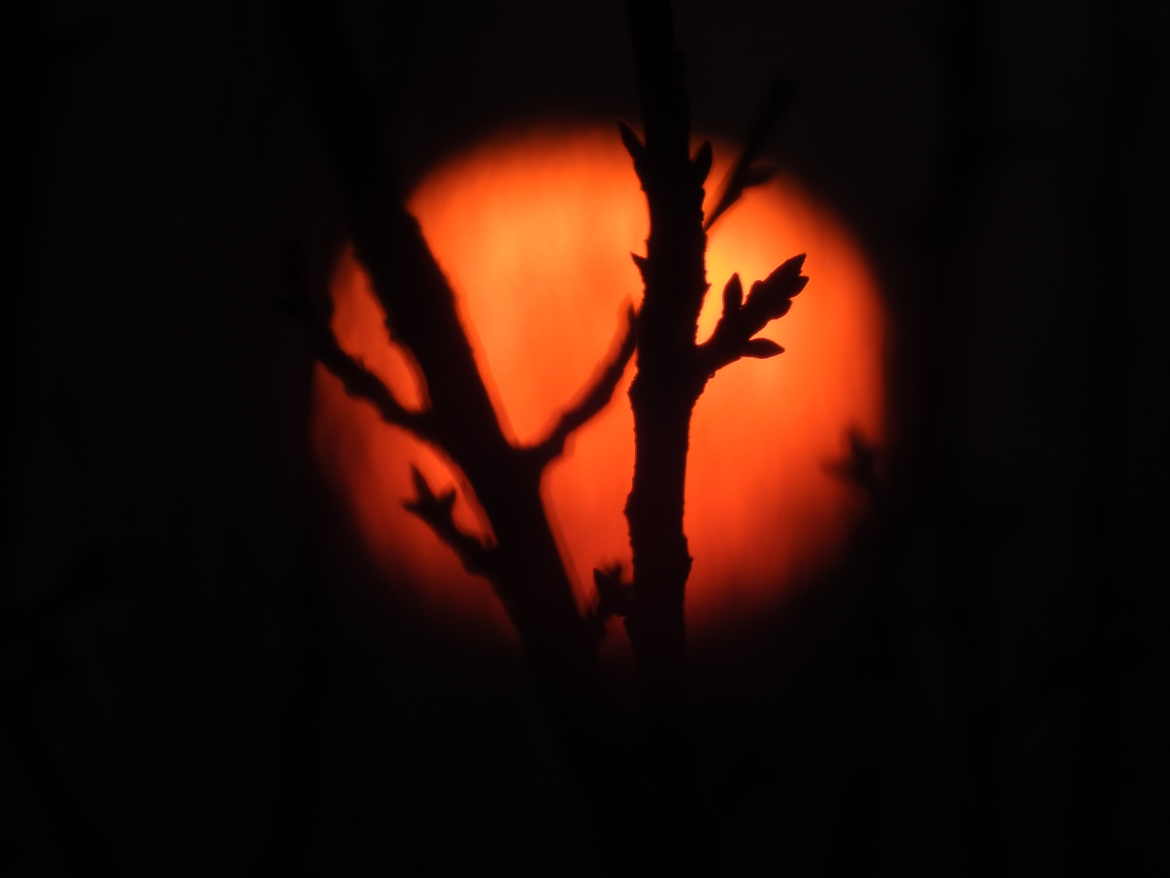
(761, 348)
(733, 295)
(356, 378)
(420, 483)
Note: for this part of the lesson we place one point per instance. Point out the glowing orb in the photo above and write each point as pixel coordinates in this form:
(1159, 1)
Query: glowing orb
(534, 233)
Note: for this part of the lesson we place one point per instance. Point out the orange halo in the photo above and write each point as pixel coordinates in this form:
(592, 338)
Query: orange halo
(534, 233)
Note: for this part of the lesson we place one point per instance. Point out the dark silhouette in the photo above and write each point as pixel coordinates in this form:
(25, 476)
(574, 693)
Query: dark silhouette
(523, 563)
(203, 671)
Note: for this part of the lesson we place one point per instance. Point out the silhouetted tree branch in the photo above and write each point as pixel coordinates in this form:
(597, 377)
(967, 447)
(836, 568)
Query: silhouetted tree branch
(746, 172)
(523, 563)
(672, 371)
(672, 368)
(358, 381)
(665, 387)
(768, 299)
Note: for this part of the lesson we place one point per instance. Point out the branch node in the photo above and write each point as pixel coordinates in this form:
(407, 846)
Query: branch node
(746, 173)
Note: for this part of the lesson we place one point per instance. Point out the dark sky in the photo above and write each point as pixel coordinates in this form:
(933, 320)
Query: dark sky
(201, 679)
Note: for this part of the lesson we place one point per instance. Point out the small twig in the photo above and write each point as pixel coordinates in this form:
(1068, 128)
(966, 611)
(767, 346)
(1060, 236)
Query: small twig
(768, 299)
(523, 563)
(358, 381)
(361, 383)
(595, 397)
(612, 597)
(745, 173)
(437, 511)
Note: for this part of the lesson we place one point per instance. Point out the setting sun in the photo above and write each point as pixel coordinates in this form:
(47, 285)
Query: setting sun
(534, 232)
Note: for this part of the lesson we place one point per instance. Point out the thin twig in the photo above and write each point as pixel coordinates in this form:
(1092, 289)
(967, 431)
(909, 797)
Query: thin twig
(595, 397)
(361, 383)
(746, 173)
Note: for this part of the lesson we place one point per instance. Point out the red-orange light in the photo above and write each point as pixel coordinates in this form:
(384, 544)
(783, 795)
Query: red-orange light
(534, 233)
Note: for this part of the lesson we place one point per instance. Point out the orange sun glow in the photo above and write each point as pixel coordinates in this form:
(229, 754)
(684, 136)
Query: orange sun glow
(534, 232)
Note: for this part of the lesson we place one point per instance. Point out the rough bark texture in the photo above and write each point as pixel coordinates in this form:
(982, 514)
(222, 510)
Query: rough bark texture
(672, 368)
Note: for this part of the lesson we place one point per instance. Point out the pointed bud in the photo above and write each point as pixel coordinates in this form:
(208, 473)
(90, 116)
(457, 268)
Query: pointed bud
(642, 264)
(761, 348)
(785, 275)
(791, 266)
(773, 295)
(702, 161)
(732, 295)
(633, 145)
(632, 323)
(420, 485)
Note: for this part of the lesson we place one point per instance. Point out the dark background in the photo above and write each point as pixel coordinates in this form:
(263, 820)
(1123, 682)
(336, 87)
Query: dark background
(200, 674)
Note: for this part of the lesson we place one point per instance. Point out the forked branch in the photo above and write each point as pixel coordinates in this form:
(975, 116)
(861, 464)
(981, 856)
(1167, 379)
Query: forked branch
(460, 420)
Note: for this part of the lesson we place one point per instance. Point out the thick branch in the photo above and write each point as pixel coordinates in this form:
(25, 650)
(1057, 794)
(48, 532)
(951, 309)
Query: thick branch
(667, 382)
(595, 397)
(662, 397)
(524, 564)
(768, 300)
(436, 511)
